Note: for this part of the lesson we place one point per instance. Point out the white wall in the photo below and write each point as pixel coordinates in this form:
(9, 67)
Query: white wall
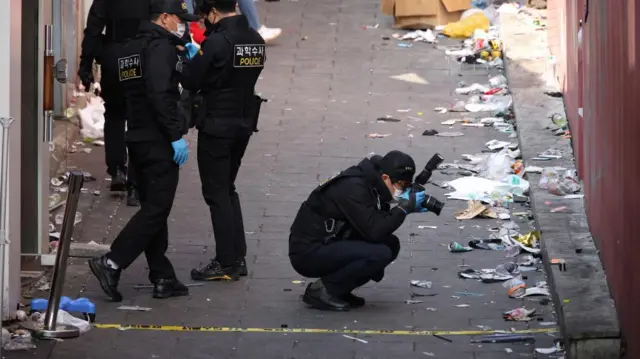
(10, 93)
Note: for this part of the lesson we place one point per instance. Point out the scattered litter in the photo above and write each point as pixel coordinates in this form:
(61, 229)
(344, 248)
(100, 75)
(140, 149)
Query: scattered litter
(421, 283)
(474, 89)
(494, 244)
(419, 35)
(558, 209)
(443, 338)
(430, 227)
(387, 119)
(456, 247)
(496, 145)
(547, 324)
(535, 291)
(497, 81)
(428, 354)
(551, 350)
(298, 281)
(356, 339)
(518, 315)
(59, 218)
(378, 135)
(405, 45)
(449, 134)
(508, 350)
(413, 301)
(461, 305)
(557, 183)
(574, 196)
(504, 338)
(467, 26)
(404, 110)
(134, 308)
(533, 169)
(429, 133)
(56, 182)
(440, 109)
(449, 122)
(468, 294)
(19, 343)
(475, 209)
(411, 77)
(431, 309)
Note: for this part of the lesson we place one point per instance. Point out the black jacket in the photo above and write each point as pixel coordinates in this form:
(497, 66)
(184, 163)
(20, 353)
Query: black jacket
(119, 19)
(358, 196)
(224, 73)
(151, 90)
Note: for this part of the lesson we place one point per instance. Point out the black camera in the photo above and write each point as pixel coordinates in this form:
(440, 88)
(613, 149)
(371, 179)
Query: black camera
(430, 203)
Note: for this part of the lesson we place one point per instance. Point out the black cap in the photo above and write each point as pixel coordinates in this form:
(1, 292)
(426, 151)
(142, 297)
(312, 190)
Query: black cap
(174, 7)
(399, 166)
(206, 5)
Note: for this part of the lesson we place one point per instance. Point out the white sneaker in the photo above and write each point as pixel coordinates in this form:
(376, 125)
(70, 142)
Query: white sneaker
(269, 34)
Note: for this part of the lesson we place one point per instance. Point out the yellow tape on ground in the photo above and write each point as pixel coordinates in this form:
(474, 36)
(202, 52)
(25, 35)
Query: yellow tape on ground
(179, 328)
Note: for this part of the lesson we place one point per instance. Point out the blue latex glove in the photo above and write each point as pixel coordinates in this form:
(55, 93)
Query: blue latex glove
(190, 50)
(420, 202)
(411, 202)
(180, 151)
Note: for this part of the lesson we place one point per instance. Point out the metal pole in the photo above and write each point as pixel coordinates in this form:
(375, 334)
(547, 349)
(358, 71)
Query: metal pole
(4, 212)
(57, 283)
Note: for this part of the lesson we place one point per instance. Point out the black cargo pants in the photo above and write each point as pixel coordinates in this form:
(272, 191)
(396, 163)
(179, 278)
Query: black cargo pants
(219, 160)
(347, 264)
(115, 112)
(147, 230)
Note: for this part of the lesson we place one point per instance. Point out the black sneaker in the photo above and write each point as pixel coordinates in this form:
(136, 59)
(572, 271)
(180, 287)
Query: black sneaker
(132, 197)
(167, 288)
(317, 296)
(241, 263)
(214, 272)
(354, 301)
(119, 182)
(107, 276)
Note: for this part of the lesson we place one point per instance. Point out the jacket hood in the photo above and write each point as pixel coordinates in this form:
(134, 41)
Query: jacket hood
(372, 176)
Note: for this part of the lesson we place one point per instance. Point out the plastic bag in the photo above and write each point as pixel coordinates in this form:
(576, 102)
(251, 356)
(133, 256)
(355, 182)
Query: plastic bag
(92, 119)
(66, 318)
(559, 181)
(465, 27)
(496, 166)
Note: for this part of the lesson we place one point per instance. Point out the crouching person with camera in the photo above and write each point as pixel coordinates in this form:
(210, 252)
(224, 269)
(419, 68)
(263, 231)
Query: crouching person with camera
(343, 233)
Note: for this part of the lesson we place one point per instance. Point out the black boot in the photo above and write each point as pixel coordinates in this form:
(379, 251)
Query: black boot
(317, 296)
(241, 263)
(119, 181)
(107, 276)
(167, 288)
(215, 272)
(132, 197)
(353, 300)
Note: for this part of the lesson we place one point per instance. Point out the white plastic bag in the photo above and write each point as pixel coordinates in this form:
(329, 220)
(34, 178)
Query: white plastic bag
(65, 318)
(92, 119)
(497, 165)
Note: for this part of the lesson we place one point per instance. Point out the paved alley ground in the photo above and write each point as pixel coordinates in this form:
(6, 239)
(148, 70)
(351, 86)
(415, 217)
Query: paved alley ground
(327, 80)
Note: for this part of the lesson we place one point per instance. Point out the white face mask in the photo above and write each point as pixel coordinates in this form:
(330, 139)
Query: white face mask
(182, 28)
(397, 193)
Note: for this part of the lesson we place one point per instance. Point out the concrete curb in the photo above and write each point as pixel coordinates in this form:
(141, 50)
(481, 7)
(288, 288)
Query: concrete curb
(586, 312)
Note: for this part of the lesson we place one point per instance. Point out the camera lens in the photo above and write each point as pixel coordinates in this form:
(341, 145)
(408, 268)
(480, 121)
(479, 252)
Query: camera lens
(433, 205)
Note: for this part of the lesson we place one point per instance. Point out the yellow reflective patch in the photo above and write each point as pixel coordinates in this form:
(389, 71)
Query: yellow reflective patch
(201, 53)
(184, 6)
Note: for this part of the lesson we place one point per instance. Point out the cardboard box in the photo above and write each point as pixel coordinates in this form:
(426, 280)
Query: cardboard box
(422, 14)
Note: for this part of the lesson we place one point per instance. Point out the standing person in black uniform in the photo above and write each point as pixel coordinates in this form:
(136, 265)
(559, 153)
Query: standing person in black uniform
(225, 73)
(121, 19)
(148, 69)
(343, 233)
